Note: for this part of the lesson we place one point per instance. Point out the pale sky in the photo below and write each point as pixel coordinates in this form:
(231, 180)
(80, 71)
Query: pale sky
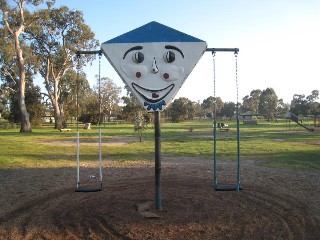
(278, 41)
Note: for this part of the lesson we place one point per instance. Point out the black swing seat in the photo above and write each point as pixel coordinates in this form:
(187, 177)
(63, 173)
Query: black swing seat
(88, 189)
(227, 187)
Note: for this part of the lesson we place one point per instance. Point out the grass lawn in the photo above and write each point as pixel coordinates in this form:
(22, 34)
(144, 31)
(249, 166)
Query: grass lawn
(270, 142)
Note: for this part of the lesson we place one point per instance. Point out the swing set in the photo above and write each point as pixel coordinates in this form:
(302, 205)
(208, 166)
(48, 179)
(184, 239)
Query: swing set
(84, 186)
(218, 186)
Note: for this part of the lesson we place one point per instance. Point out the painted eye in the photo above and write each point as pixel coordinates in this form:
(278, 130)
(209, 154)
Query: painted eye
(169, 57)
(138, 57)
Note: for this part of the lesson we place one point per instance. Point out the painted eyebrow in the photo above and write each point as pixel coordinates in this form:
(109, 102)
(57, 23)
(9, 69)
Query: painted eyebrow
(132, 49)
(174, 48)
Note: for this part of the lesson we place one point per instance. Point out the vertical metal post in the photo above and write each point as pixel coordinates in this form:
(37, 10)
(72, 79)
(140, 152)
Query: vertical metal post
(157, 154)
(78, 161)
(215, 180)
(100, 157)
(238, 156)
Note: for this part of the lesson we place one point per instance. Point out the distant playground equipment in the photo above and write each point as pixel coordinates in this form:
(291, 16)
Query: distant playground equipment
(91, 181)
(294, 118)
(222, 127)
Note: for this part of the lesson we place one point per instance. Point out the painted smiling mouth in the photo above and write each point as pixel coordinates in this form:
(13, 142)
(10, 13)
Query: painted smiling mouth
(151, 95)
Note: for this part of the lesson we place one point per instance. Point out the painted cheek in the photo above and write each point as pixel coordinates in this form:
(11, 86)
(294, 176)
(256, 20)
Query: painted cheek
(138, 74)
(166, 75)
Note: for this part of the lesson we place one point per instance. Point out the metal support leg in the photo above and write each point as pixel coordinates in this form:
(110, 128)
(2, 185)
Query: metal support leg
(158, 194)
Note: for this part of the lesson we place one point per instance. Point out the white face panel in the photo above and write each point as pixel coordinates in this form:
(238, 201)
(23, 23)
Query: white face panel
(154, 71)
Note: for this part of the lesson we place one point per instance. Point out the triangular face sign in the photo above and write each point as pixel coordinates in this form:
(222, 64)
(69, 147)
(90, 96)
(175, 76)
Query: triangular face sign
(154, 61)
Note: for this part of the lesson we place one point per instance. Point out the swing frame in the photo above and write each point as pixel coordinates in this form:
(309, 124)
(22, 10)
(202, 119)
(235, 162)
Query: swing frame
(218, 186)
(79, 188)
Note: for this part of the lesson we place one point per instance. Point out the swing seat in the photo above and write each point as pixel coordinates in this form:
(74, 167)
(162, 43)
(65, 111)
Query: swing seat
(227, 187)
(88, 189)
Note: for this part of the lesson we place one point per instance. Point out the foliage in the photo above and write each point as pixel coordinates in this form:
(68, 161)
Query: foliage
(251, 103)
(16, 21)
(181, 109)
(140, 124)
(60, 32)
(302, 105)
(110, 97)
(228, 110)
(212, 106)
(268, 103)
(131, 107)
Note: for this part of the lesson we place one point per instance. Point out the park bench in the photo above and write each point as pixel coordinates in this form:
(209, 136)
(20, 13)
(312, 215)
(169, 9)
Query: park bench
(65, 129)
(223, 127)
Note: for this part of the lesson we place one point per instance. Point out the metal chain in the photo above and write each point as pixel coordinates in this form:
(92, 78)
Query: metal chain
(100, 98)
(77, 87)
(237, 83)
(214, 83)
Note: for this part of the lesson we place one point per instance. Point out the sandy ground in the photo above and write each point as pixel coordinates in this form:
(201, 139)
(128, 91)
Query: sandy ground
(274, 203)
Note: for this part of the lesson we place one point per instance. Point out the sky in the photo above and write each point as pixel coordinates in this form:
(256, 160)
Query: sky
(279, 41)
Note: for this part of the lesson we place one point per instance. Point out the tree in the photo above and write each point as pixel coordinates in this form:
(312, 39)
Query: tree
(57, 36)
(282, 107)
(110, 94)
(17, 20)
(181, 109)
(313, 106)
(251, 103)
(210, 104)
(268, 102)
(228, 110)
(140, 124)
(302, 105)
(299, 105)
(131, 106)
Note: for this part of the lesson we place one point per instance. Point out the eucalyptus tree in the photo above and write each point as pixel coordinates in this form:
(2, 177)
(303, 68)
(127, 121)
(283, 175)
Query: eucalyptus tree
(212, 106)
(251, 103)
(59, 33)
(268, 103)
(110, 96)
(16, 20)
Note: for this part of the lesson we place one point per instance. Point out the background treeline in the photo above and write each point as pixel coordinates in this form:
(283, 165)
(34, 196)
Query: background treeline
(42, 43)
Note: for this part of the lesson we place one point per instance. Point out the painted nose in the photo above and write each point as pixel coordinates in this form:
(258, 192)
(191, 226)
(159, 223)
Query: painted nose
(155, 68)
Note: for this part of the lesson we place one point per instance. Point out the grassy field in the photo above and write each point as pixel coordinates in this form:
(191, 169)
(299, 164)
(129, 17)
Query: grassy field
(272, 143)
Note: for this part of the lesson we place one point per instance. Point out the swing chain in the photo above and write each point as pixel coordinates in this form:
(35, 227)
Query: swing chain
(237, 83)
(214, 84)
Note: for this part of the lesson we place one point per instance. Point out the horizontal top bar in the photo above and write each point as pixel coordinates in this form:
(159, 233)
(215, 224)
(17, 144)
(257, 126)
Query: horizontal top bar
(236, 50)
(89, 52)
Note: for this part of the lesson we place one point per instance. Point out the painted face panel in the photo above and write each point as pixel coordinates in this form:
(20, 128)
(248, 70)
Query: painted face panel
(154, 71)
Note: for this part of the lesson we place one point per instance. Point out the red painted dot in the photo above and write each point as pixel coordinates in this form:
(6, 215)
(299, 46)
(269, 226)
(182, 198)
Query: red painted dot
(138, 74)
(166, 75)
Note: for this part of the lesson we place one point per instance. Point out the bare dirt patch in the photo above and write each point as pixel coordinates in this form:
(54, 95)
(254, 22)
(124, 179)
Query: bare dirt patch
(274, 203)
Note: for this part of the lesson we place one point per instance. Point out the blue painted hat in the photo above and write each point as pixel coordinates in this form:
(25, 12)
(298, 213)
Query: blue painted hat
(153, 32)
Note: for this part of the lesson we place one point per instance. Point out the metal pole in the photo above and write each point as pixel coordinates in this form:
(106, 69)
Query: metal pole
(100, 157)
(238, 150)
(236, 50)
(215, 180)
(78, 161)
(157, 154)
(89, 52)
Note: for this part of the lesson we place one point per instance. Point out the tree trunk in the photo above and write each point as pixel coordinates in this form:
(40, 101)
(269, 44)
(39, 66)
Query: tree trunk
(24, 115)
(60, 121)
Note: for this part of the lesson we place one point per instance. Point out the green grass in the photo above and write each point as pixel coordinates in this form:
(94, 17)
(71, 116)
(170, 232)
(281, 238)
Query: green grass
(269, 142)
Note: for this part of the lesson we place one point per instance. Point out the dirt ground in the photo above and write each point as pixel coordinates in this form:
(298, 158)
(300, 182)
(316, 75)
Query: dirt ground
(274, 203)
